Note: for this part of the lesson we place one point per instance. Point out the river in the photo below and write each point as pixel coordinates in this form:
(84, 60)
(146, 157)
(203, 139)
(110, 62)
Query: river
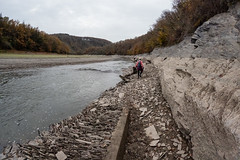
(32, 99)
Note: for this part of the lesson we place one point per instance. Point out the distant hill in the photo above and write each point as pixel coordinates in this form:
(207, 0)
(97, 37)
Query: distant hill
(77, 45)
(20, 36)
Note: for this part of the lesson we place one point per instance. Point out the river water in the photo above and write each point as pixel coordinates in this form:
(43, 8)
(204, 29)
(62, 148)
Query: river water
(32, 99)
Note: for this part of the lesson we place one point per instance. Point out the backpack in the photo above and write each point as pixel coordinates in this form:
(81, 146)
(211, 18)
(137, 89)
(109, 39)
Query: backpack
(139, 66)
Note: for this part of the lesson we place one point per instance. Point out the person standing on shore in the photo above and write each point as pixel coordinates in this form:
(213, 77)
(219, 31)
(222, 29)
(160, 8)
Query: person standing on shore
(139, 66)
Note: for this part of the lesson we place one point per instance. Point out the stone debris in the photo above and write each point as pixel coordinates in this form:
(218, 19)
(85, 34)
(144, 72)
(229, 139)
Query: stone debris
(153, 133)
(87, 135)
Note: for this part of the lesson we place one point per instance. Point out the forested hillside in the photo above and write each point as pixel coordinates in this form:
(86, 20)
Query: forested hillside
(170, 28)
(21, 36)
(78, 45)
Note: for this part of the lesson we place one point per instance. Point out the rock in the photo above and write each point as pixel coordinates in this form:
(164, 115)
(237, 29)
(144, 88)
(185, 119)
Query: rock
(33, 143)
(163, 128)
(203, 92)
(179, 147)
(175, 140)
(162, 145)
(175, 144)
(180, 152)
(15, 148)
(61, 156)
(155, 157)
(151, 132)
(184, 155)
(7, 149)
(93, 110)
(82, 141)
(148, 113)
(169, 148)
(121, 95)
(154, 143)
(2, 156)
(143, 109)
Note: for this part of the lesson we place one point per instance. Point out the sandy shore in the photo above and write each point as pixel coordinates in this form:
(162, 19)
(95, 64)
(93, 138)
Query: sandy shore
(20, 63)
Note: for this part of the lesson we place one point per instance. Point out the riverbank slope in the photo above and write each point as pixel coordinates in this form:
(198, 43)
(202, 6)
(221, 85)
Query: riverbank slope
(200, 81)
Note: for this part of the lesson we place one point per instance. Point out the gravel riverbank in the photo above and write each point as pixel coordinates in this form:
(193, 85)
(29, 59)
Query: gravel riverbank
(152, 134)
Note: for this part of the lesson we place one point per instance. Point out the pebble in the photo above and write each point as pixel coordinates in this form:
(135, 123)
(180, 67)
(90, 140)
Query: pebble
(179, 147)
(93, 110)
(121, 95)
(33, 143)
(154, 143)
(175, 140)
(175, 144)
(180, 152)
(184, 155)
(61, 156)
(169, 148)
(163, 145)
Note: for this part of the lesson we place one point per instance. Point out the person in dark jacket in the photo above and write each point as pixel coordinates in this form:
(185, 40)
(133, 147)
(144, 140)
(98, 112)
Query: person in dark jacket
(139, 66)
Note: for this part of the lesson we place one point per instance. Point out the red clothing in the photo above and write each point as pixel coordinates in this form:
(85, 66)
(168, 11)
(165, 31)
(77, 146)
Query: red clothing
(141, 64)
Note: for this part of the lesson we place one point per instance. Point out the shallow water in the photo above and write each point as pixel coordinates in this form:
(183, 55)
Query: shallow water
(32, 99)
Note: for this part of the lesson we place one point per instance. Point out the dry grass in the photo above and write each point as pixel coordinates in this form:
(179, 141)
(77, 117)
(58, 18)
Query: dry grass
(37, 55)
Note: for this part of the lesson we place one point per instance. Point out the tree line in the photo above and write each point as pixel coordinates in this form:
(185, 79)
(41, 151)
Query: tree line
(21, 36)
(170, 28)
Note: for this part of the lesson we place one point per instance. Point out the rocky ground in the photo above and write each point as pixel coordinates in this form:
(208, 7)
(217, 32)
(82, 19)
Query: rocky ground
(152, 134)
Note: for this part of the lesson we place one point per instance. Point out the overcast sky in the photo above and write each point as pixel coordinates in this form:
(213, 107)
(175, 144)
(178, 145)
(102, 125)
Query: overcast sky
(113, 20)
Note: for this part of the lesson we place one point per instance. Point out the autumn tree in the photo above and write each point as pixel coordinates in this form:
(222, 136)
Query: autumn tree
(20, 36)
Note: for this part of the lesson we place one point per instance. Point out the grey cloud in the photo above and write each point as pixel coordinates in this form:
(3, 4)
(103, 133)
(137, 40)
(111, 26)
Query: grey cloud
(110, 19)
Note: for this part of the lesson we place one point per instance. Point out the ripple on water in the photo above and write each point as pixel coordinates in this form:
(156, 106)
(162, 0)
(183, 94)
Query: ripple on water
(34, 99)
